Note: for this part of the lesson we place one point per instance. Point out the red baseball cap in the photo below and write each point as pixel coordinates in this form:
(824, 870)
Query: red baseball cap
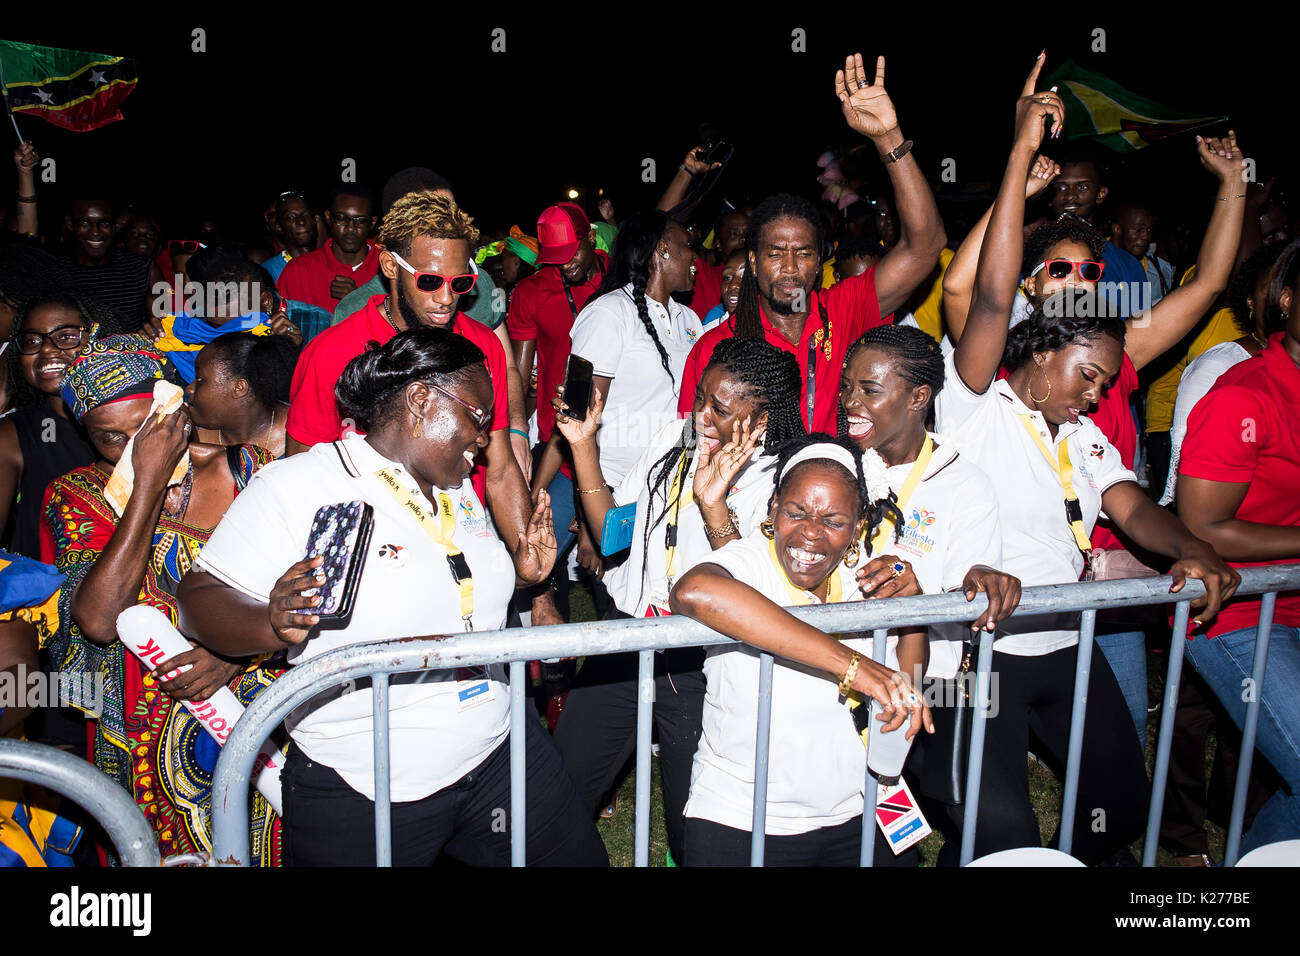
(560, 229)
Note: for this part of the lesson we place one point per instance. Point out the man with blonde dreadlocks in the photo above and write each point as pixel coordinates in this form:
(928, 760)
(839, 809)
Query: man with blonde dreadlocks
(779, 298)
(428, 241)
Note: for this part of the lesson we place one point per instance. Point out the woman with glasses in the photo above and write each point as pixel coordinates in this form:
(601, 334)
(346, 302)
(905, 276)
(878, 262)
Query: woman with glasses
(1053, 472)
(433, 565)
(1067, 254)
(40, 440)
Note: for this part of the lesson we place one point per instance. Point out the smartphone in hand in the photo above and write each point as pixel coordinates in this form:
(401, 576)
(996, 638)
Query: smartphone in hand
(577, 385)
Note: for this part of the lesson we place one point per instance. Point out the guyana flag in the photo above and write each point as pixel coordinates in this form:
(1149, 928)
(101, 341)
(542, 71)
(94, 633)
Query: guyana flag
(1099, 108)
(69, 88)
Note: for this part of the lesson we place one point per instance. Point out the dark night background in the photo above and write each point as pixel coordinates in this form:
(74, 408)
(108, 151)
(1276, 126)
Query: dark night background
(581, 96)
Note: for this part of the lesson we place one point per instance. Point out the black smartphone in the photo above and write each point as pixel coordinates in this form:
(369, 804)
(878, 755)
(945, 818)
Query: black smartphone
(340, 532)
(577, 385)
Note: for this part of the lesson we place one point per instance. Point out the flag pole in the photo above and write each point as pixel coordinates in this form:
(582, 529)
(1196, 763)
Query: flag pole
(4, 93)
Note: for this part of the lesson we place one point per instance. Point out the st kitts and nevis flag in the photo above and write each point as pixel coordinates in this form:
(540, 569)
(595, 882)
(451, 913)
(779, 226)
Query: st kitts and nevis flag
(70, 88)
(1099, 109)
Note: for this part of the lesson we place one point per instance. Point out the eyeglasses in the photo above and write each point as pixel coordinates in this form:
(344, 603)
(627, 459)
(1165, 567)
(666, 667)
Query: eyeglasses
(1089, 271)
(481, 418)
(357, 222)
(65, 338)
(177, 247)
(432, 281)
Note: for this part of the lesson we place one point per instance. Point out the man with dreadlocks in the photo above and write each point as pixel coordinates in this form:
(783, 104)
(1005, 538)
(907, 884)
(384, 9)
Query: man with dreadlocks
(779, 299)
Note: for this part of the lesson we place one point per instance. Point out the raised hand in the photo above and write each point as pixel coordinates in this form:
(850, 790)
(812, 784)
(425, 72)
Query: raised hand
(535, 555)
(1040, 176)
(717, 469)
(577, 430)
(1221, 156)
(158, 446)
(26, 158)
(867, 107)
(694, 165)
(1032, 107)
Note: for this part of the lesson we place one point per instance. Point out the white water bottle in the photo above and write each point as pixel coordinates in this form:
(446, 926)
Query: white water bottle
(887, 752)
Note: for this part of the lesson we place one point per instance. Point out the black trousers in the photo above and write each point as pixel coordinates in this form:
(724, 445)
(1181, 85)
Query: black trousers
(327, 823)
(596, 733)
(712, 844)
(1034, 697)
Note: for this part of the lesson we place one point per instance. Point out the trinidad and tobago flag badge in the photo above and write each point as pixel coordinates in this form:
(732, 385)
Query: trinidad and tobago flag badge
(899, 818)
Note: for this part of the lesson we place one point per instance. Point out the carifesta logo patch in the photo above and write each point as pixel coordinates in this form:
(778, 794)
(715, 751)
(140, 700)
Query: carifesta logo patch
(474, 522)
(913, 536)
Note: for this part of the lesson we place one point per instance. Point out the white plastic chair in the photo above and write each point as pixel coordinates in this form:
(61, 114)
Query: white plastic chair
(1027, 856)
(1282, 853)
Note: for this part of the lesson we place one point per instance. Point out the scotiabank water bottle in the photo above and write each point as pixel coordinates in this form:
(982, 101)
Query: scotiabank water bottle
(887, 752)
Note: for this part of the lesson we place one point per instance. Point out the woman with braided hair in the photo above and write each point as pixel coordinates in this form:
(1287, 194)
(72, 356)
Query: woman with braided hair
(826, 500)
(700, 484)
(638, 337)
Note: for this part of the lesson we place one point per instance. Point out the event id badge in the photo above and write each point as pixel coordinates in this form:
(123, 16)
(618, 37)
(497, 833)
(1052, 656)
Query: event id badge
(473, 688)
(898, 817)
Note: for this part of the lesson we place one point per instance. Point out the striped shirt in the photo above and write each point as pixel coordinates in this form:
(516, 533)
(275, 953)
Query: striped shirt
(122, 282)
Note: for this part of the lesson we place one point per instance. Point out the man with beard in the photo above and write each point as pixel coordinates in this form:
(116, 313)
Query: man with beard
(294, 224)
(428, 241)
(779, 298)
(347, 260)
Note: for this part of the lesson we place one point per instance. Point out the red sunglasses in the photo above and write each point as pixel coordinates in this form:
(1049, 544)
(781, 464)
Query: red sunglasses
(432, 281)
(1089, 271)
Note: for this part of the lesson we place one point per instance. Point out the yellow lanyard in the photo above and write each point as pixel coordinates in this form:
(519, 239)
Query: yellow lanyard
(440, 533)
(798, 596)
(1064, 469)
(670, 532)
(886, 529)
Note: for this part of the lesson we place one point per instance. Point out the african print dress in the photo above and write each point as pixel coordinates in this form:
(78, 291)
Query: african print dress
(143, 739)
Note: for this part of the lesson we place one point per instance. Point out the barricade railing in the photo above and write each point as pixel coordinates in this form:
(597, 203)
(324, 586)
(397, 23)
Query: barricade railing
(514, 647)
(84, 784)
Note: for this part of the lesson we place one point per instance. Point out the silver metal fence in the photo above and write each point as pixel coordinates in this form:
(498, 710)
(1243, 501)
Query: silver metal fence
(85, 785)
(381, 659)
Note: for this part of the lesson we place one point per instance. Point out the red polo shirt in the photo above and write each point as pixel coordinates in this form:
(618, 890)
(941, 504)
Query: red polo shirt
(540, 312)
(307, 278)
(851, 307)
(708, 288)
(313, 411)
(1244, 432)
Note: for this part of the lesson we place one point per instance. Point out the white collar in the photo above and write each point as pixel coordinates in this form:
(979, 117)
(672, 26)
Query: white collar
(1008, 394)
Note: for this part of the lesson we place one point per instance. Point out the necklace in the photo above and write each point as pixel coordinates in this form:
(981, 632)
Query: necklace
(388, 317)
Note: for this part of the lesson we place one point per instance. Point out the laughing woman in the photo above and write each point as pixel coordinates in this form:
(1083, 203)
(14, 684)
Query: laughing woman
(806, 554)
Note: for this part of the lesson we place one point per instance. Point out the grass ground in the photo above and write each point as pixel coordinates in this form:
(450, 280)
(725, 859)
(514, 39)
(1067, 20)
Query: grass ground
(1045, 791)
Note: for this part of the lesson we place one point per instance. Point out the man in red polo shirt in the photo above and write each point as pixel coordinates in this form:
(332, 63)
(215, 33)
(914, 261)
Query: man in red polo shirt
(423, 233)
(779, 298)
(347, 260)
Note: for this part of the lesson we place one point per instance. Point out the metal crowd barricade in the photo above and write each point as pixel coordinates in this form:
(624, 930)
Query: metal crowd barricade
(84, 784)
(381, 659)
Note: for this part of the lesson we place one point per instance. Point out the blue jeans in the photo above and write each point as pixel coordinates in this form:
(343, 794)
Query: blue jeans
(561, 491)
(1126, 654)
(1225, 662)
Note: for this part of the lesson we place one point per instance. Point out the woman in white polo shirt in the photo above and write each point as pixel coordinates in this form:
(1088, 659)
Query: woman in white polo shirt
(425, 401)
(1053, 472)
(807, 553)
(702, 481)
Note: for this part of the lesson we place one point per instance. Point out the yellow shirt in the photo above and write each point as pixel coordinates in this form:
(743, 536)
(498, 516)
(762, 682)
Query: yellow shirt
(929, 314)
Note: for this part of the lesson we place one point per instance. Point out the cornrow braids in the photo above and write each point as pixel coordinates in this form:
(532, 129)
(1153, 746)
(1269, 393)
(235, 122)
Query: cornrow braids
(916, 358)
(875, 511)
(425, 214)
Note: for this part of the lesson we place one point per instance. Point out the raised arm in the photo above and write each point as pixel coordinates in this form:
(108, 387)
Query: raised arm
(959, 279)
(25, 162)
(979, 353)
(588, 477)
(1149, 336)
(691, 167)
(869, 110)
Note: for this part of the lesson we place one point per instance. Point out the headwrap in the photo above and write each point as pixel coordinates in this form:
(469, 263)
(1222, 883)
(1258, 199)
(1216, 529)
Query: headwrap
(110, 369)
(873, 466)
(524, 246)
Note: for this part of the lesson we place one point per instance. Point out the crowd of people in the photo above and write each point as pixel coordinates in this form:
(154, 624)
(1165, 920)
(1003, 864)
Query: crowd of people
(790, 403)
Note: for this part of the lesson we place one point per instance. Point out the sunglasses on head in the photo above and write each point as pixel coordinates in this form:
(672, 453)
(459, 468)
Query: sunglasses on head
(432, 281)
(181, 246)
(1089, 271)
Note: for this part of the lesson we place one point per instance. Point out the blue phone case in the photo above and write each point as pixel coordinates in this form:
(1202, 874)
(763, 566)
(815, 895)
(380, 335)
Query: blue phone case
(616, 536)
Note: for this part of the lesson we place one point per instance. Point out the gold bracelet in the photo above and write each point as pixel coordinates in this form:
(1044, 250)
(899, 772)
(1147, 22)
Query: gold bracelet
(590, 491)
(846, 682)
(727, 529)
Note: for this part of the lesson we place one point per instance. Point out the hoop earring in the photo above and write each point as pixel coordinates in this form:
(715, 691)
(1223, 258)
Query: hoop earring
(1034, 398)
(768, 528)
(851, 555)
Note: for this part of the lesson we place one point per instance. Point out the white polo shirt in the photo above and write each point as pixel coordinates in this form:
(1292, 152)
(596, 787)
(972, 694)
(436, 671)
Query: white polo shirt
(950, 523)
(642, 397)
(748, 496)
(817, 763)
(440, 726)
(1037, 544)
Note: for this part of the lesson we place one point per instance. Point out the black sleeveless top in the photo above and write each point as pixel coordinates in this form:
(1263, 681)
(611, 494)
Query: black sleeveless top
(51, 446)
